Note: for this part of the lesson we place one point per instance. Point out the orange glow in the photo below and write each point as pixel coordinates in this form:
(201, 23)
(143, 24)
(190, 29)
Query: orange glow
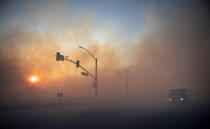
(33, 79)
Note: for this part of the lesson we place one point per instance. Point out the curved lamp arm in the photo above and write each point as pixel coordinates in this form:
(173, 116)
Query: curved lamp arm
(88, 52)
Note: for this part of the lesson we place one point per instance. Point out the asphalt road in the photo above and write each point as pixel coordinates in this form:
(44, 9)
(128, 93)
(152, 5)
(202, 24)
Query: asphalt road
(113, 115)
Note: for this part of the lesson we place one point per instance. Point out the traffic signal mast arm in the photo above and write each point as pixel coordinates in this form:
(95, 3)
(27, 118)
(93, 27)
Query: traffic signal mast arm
(81, 68)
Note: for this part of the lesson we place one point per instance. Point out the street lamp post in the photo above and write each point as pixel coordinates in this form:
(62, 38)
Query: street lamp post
(95, 83)
(126, 79)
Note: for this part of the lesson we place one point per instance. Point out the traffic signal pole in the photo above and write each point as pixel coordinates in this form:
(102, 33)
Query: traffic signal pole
(60, 57)
(95, 84)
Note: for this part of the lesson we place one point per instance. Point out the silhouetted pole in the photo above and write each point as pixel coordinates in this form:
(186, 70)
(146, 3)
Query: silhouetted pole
(96, 75)
(126, 79)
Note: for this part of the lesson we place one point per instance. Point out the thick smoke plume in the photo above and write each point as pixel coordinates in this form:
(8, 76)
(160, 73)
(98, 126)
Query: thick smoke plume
(174, 55)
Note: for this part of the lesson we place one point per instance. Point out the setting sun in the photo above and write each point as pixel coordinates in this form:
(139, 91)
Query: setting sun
(33, 79)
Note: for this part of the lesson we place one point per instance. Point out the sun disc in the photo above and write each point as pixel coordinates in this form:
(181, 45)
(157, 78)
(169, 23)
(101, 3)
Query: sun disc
(33, 79)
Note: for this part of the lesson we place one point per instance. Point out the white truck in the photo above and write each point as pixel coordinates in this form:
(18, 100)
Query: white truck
(178, 96)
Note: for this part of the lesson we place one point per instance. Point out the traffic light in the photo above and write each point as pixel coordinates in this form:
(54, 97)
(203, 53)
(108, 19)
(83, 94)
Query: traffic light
(59, 57)
(77, 64)
(62, 57)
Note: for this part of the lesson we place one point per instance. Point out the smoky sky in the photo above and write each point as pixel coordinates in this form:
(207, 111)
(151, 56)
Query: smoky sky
(175, 54)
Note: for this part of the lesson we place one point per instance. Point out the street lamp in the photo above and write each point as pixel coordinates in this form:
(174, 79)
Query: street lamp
(126, 78)
(95, 83)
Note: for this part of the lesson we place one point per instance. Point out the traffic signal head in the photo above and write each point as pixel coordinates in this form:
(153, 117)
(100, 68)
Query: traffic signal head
(77, 64)
(59, 57)
(62, 57)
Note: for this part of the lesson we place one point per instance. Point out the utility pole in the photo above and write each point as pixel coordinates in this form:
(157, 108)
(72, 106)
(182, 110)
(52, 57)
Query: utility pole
(126, 79)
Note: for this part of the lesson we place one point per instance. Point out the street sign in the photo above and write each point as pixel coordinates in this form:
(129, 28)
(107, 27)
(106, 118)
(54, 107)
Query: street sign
(95, 84)
(59, 94)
